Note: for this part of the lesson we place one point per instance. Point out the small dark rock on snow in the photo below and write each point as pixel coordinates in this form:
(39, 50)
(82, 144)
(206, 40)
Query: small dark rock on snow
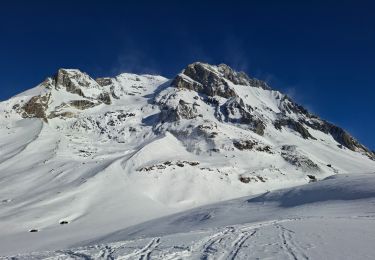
(312, 178)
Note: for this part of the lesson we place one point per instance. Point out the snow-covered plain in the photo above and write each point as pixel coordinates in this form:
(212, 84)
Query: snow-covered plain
(85, 164)
(330, 219)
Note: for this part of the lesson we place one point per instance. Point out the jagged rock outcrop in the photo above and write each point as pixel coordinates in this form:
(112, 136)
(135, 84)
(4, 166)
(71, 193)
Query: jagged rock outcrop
(105, 98)
(244, 144)
(339, 134)
(203, 79)
(287, 106)
(294, 125)
(72, 81)
(291, 154)
(104, 81)
(182, 110)
(236, 111)
(82, 104)
(215, 81)
(36, 107)
(107, 82)
(240, 78)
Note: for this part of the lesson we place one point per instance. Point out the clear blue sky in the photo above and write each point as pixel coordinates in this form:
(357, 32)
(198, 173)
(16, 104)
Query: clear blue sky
(322, 53)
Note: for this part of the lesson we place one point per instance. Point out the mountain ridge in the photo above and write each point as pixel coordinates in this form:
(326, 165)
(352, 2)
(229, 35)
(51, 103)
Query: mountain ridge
(76, 81)
(114, 152)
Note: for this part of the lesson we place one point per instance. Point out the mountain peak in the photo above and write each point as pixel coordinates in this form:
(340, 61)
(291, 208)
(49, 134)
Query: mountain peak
(214, 80)
(60, 95)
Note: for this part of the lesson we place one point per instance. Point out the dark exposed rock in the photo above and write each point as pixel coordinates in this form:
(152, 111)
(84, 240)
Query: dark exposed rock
(266, 149)
(201, 78)
(105, 98)
(207, 130)
(204, 79)
(212, 82)
(213, 134)
(192, 163)
(312, 121)
(296, 126)
(312, 178)
(259, 127)
(235, 106)
(65, 79)
(250, 145)
(258, 84)
(248, 179)
(262, 179)
(113, 94)
(240, 78)
(123, 116)
(340, 135)
(66, 114)
(291, 155)
(245, 144)
(36, 107)
(82, 104)
(104, 81)
(182, 111)
(287, 105)
(244, 179)
(72, 81)
(166, 164)
(212, 101)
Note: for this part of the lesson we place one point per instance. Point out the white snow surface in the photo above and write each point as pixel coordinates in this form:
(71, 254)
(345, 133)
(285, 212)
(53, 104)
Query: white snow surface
(293, 223)
(109, 168)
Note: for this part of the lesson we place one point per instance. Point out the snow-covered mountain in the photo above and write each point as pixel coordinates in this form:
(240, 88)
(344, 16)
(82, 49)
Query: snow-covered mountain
(83, 158)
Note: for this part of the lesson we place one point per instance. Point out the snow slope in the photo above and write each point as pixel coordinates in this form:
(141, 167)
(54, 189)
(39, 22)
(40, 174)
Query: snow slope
(339, 223)
(104, 155)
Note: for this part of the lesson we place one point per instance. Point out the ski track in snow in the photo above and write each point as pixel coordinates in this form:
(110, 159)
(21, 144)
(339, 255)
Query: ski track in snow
(237, 246)
(228, 243)
(289, 244)
(145, 252)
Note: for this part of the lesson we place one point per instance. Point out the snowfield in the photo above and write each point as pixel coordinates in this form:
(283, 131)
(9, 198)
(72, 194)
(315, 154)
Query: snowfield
(339, 223)
(211, 164)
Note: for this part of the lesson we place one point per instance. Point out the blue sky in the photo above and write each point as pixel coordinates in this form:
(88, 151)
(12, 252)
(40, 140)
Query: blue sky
(322, 53)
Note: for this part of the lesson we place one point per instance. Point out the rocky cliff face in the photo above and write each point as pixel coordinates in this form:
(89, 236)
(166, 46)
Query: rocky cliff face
(205, 80)
(77, 91)
(215, 86)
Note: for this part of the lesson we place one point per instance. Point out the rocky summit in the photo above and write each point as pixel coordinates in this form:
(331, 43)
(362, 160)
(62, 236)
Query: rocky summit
(99, 155)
